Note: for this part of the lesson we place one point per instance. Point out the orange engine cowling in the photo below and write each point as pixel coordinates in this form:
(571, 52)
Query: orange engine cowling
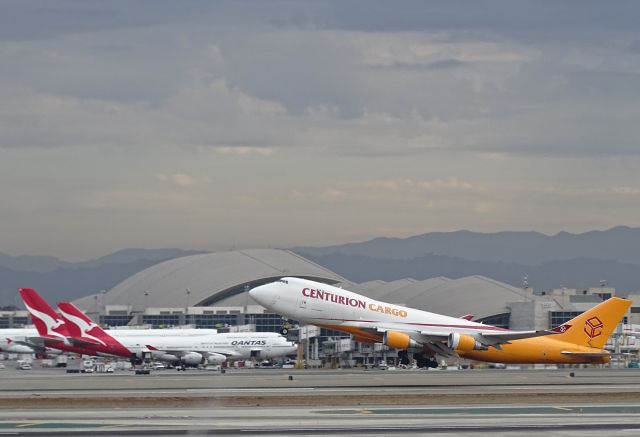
(398, 340)
(464, 342)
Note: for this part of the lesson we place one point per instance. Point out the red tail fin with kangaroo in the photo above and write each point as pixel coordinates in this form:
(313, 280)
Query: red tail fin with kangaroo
(48, 323)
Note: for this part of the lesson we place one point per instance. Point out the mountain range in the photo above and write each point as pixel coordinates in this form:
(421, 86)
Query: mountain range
(62, 280)
(547, 261)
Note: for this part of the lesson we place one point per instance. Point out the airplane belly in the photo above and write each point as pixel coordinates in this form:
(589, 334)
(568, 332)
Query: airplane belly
(532, 351)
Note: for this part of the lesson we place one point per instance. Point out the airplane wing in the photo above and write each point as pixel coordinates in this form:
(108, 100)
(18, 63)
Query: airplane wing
(83, 342)
(180, 352)
(27, 341)
(39, 341)
(437, 338)
(226, 353)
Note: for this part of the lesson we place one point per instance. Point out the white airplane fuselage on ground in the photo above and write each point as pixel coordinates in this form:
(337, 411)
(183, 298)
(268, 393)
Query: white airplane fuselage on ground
(215, 347)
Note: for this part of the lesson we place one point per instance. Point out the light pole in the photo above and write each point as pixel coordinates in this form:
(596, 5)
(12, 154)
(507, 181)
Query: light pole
(186, 309)
(146, 299)
(104, 302)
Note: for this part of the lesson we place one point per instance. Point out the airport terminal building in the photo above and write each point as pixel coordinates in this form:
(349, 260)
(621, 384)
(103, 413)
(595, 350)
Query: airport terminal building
(211, 291)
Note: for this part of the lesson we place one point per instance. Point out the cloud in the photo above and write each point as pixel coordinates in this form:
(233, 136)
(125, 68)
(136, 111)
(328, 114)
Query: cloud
(179, 179)
(274, 115)
(244, 151)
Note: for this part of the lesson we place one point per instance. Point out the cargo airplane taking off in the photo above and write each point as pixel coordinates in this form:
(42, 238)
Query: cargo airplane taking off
(580, 340)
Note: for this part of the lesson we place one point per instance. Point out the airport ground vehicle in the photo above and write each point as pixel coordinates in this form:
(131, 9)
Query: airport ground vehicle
(23, 365)
(581, 340)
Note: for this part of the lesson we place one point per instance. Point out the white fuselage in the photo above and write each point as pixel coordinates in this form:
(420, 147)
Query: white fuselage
(170, 342)
(325, 305)
(13, 340)
(234, 346)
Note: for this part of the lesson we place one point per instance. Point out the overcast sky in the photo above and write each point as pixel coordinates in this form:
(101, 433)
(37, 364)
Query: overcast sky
(212, 125)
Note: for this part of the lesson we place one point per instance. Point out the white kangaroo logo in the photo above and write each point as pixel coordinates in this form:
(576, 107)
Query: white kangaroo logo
(48, 321)
(84, 326)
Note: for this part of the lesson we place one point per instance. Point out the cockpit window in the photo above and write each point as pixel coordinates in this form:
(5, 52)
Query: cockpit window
(283, 281)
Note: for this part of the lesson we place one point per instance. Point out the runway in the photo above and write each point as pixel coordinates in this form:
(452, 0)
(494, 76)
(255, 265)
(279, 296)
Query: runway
(340, 402)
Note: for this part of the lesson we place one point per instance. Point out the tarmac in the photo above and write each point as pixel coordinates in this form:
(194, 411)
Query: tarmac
(568, 402)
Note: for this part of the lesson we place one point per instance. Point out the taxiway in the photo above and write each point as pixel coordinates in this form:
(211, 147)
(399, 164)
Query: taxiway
(316, 402)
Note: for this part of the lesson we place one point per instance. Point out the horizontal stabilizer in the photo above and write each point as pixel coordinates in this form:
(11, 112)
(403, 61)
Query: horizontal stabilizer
(505, 336)
(586, 354)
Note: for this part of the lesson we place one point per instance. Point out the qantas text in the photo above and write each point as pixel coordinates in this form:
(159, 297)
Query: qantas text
(248, 342)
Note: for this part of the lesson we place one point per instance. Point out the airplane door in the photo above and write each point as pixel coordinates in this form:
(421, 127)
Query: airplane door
(302, 302)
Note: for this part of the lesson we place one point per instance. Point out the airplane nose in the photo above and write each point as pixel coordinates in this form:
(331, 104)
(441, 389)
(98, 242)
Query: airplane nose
(263, 294)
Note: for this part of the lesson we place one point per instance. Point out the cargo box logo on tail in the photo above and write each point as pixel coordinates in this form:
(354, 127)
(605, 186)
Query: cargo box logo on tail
(593, 327)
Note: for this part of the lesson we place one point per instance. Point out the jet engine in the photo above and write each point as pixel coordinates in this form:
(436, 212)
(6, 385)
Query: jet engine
(169, 358)
(398, 340)
(192, 358)
(464, 342)
(216, 359)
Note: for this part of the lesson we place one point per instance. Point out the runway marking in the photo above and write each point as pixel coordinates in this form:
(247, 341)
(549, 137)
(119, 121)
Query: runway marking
(51, 425)
(496, 410)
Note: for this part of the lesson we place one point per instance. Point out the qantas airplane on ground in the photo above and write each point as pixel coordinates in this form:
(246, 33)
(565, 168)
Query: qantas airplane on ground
(580, 340)
(73, 331)
(215, 348)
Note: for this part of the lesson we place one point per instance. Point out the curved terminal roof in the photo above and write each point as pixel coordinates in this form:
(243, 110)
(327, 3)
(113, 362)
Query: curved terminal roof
(478, 295)
(378, 289)
(404, 293)
(210, 278)
(222, 279)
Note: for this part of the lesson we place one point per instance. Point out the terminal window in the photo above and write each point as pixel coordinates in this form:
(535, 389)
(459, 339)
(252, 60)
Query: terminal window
(558, 318)
(499, 320)
(267, 322)
(161, 320)
(211, 321)
(115, 320)
(19, 322)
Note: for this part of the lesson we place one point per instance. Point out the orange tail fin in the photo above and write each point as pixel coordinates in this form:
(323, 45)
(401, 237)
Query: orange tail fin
(593, 327)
